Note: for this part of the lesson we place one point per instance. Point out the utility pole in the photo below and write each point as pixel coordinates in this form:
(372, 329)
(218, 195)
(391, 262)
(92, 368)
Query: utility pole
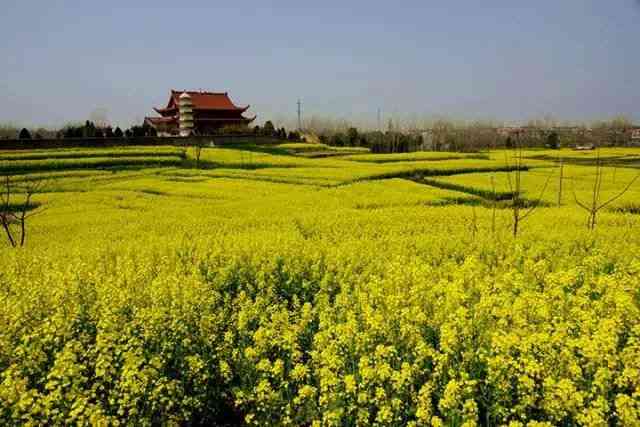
(299, 114)
(380, 138)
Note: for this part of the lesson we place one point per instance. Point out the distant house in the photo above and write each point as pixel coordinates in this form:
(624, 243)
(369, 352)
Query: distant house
(198, 112)
(635, 136)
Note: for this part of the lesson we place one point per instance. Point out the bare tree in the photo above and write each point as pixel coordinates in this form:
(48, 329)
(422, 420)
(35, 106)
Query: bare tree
(518, 206)
(479, 135)
(13, 216)
(197, 146)
(494, 205)
(197, 149)
(619, 126)
(441, 129)
(560, 181)
(596, 205)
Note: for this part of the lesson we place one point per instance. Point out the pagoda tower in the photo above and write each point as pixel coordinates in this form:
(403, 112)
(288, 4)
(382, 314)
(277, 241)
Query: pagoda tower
(185, 108)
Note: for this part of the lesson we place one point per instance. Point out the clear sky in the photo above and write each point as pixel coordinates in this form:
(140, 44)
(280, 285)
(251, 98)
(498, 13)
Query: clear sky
(494, 59)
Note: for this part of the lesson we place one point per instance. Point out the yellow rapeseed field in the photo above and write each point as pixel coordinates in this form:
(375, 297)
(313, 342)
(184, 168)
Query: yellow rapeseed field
(270, 288)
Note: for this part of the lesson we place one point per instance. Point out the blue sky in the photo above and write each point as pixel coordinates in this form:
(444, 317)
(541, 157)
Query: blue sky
(495, 59)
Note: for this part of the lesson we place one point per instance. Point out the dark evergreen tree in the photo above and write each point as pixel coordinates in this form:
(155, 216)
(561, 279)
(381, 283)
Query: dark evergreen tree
(269, 129)
(73, 132)
(352, 137)
(294, 136)
(118, 133)
(553, 140)
(139, 131)
(337, 140)
(24, 134)
(145, 130)
(89, 130)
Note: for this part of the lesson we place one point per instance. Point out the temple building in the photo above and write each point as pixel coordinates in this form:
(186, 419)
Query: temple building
(199, 113)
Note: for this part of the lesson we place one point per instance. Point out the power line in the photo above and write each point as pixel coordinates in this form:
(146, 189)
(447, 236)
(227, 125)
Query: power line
(299, 114)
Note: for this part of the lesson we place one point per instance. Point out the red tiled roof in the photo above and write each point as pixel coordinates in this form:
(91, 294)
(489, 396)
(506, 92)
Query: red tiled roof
(159, 120)
(166, 111)
(206, 101)
(232, 119)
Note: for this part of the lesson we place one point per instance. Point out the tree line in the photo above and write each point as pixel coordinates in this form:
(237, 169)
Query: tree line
(391, 141)
(443, 135)
(268, 129)
(90, 130)
(438, 135)
(86, 130)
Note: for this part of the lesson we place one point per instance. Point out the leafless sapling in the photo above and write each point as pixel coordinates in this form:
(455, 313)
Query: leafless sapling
(596, 204)
(197, 151)
(519, 208)
(560, 181)
(494, 205)
(14, 216)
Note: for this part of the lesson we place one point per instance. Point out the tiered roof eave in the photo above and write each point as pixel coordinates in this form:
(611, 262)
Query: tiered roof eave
(161, 120)
(166, 111)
